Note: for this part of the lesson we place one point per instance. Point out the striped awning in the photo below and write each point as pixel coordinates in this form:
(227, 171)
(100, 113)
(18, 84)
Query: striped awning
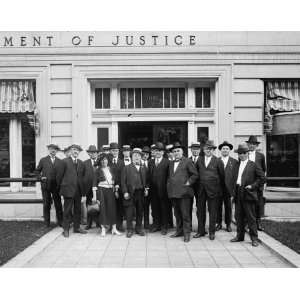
(16, 96)
(283, 95)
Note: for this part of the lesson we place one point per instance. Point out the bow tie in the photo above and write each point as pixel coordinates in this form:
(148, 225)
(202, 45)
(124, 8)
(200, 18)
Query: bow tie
(177, 160)
(137, 164)
(127, 159)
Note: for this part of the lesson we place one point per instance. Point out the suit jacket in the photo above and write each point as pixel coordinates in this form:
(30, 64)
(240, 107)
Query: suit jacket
(47, 169)
(228, 176)
(176, 183)
(252, 175)
(260, 160)
(89, 175)
(117, 169)
(158, 176)
(71, 179)
(210, 177)
(130, 178)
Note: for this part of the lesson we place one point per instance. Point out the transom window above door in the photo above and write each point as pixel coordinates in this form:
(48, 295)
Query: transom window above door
(152, 98)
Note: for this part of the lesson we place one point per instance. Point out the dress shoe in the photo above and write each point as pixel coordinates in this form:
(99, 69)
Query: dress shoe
(236, 239)
(199, 235)
(164, 231)
(187, 238)
(140, 232)
(79, 230)
(154, 229)
(66, 233)
(211, 236)
(228, 228)
(255, 243)
(218, 227)
(129, 234)
(87, 227)
(176, 234)
(59, 224)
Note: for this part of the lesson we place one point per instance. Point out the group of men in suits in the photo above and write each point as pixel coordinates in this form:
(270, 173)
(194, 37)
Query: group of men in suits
(164, 179)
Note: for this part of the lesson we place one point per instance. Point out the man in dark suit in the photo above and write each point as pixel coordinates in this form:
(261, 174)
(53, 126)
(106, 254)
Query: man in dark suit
(146, 161)
(227, 185)
(210, 171)
(248, 178)
(195, 148)
(71, 181)
(182, 175)
(160, 203)
(90, 166)
(117, 164)
(135, 188)
(46, 171)
(260, 160)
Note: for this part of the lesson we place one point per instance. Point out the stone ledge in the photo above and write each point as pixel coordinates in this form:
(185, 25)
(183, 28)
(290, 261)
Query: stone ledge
(284, 252)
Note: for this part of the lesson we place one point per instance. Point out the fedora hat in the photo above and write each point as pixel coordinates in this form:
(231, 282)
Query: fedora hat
(126, 148)
(195, 145)
(137, 150)
(210, 144)
(159, 146)
(252, 140)
(242, 148)
(113, 145)
(152, 146)
(92, 148)
(146, 149)
(54, 146)
(177, 145)
(225, 143)
(76, 146)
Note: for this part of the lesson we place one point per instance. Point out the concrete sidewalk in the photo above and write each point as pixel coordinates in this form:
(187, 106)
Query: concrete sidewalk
(153, 250)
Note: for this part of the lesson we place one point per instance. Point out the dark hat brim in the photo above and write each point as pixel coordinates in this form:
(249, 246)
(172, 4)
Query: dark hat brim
(241, 151)
(225, 144)
(76, 146)
(53, 146)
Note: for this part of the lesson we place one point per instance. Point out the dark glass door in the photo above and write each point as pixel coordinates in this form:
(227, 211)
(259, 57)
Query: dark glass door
(4, 151)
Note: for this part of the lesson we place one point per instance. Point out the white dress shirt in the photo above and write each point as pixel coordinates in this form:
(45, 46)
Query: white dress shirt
(252, 155)
(207, 160)
(137, 167)
(52, 158)
(241, 170)
(158, 160)
(176, 163)
(225, 160)
(195, 158)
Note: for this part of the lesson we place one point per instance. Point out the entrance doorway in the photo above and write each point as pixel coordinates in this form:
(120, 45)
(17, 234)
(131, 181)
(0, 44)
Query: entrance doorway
(139, 134)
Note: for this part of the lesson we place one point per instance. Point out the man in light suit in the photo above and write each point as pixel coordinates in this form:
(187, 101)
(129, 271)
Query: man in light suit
(135, 188)
(182, 175)
(46, 171)
(210, 171)
(90, 166)
(248, 178)
(260, 160)
(70, 179)
(227, 185)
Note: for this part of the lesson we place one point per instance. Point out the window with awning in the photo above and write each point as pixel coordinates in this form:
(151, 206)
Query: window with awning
(17, 97)
(280, 96)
